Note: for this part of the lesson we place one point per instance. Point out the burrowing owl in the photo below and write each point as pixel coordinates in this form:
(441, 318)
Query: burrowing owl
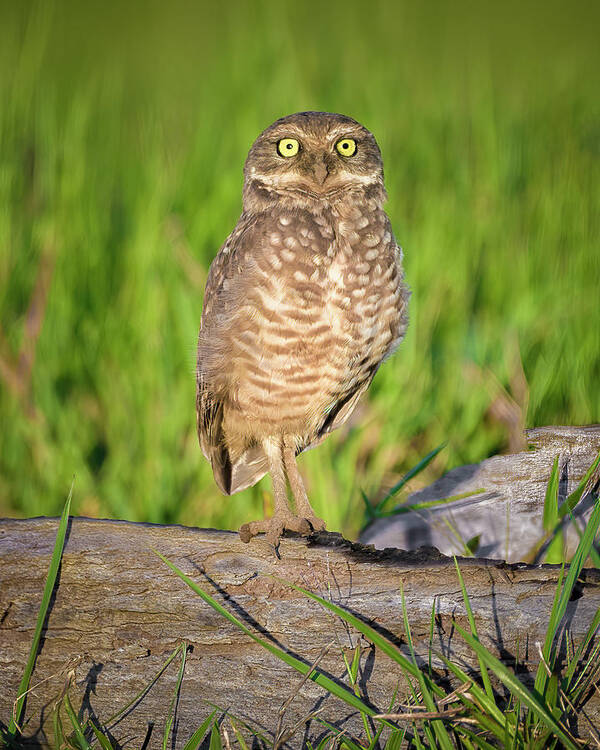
(303, 302)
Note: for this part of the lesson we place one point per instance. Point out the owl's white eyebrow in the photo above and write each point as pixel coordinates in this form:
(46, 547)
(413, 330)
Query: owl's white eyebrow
(281, 179)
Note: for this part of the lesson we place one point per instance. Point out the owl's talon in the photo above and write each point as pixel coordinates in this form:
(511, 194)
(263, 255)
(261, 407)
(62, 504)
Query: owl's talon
(275, 527)
(317, 524)
(245, 533)
(273, 536)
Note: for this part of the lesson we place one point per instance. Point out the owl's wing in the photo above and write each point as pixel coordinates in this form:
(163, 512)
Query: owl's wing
(339, 413)
(229, 273)
(233, 472)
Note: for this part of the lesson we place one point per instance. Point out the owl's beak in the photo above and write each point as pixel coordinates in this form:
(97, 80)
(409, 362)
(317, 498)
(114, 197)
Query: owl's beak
(320, 171)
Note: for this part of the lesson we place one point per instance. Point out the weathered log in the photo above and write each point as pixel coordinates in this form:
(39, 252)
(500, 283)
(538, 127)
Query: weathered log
(505, 501)
(120, 611)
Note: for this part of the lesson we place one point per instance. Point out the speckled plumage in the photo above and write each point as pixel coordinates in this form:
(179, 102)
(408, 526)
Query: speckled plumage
(303, 303)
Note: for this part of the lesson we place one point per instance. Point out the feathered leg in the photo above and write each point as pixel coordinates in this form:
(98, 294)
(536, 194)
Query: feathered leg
(303, 506)
(283, 518)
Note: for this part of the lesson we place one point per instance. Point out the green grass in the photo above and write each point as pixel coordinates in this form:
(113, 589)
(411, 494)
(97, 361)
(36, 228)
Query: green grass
(123, 130)
(15, 724)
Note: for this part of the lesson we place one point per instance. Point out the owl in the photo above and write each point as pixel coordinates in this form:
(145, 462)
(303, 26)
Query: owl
(303, 303)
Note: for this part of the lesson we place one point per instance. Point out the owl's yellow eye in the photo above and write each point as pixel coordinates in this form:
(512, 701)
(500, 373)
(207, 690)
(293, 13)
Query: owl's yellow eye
(288, 147)
(346, 147)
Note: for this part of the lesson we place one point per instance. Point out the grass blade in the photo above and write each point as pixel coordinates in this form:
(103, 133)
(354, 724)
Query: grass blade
(395, 740)
(550, 516)
(194, 741)
(171, 714)
(594, 556)
(15, 721)
(215, 738)
(431, 629)
(82, 743)
(59, 737)
(541, 675)
(398, 510)
(370, 513)
(484, 673)
(555, 551)
(575, 496)
(105, 743)
(238, 735)
(416, 469)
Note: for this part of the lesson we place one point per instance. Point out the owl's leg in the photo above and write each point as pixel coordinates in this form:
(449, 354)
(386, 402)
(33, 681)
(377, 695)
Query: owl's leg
(283, 518)
(303, 506)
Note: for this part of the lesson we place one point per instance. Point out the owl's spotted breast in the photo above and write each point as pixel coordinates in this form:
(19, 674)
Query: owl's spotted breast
(304, 319)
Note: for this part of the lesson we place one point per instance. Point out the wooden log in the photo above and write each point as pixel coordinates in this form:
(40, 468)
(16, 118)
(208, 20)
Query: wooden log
(119, 612)
(505, 500)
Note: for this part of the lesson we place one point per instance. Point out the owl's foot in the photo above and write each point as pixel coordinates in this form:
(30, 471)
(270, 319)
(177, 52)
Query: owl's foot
(274, 527)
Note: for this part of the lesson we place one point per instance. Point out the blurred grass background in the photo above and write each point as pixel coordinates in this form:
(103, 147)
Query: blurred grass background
(123, 130)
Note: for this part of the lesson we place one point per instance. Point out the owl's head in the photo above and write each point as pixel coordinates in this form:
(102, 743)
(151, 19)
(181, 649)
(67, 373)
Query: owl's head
(315, 155)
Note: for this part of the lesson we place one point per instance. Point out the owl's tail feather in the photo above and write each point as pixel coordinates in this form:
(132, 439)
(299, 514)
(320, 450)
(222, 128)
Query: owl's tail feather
(233, 474)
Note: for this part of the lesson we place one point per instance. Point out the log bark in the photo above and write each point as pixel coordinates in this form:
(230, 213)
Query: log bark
(118, 612)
